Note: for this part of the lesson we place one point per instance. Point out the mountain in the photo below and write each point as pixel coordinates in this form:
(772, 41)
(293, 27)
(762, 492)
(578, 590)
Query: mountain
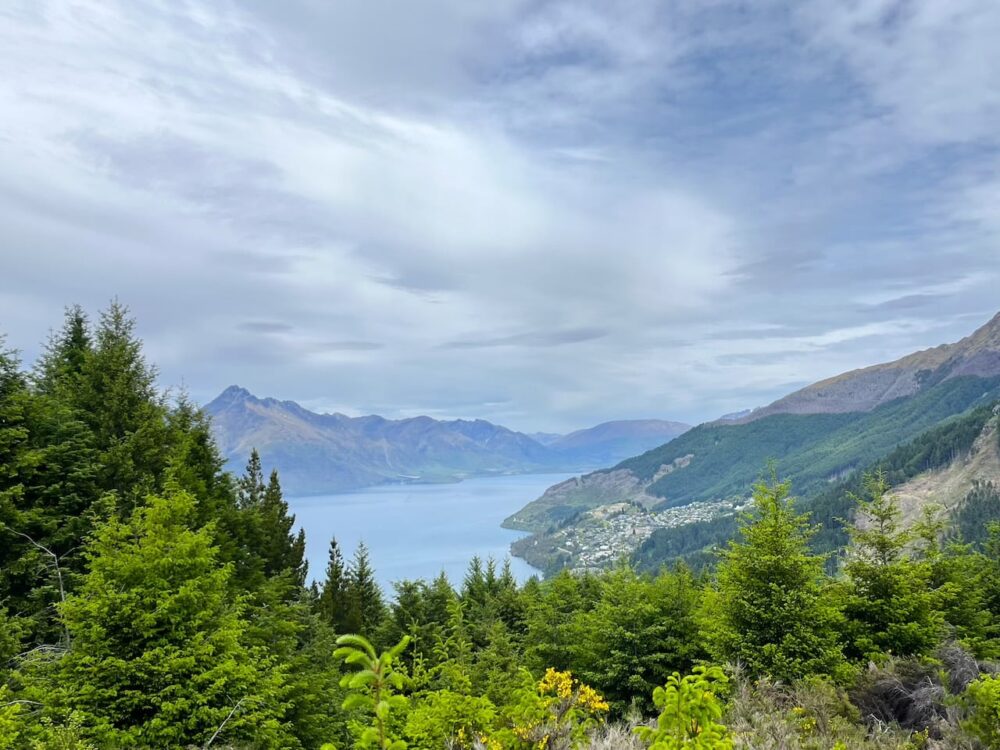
(317, 453)
(613, 441)
(545, 438)
(953, 468)
(815, 436)
(865, 389)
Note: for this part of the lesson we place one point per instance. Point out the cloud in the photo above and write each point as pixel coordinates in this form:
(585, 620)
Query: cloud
(265, 326)
(539, 212)
(531, 339)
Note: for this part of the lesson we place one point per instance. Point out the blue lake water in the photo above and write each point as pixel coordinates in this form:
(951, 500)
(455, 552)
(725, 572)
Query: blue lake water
(418, 530)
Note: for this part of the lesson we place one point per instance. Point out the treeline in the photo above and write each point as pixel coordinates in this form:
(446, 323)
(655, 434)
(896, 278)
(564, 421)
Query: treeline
(150, 599)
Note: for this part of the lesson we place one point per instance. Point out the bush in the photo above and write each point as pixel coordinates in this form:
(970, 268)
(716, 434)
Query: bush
(689, 712)
(982, 699)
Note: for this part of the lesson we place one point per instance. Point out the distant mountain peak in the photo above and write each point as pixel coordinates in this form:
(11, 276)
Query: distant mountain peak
(333, 452)
(234, 393)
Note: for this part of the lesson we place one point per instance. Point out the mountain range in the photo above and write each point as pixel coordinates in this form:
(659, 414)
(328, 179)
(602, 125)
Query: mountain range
(815, 436)
(318, 453)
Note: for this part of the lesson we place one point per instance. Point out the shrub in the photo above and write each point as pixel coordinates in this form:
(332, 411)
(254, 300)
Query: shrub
(554, 714)
(689, 712)
(982, 699)
(373, 689)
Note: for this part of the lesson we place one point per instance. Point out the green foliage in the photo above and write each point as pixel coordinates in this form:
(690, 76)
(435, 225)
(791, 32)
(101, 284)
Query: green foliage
(888, 605)
(556, 713)
(365, 607)
(334, 603)
(373, 689)
(982, 701)
(157, 653)
(443, 718)
(150, 599)
(809, 448)
(980, 506)
(11, 723)
(690, 710)
(638, 633)
(770, 611)
(989, 581)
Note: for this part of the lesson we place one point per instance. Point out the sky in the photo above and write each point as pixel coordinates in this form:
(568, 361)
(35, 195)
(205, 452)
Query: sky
(546, 214)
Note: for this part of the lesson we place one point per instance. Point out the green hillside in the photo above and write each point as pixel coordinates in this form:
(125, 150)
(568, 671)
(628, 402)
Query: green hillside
(810, 449)
(829, 505)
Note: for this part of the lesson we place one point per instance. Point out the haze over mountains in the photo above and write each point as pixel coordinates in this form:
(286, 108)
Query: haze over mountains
(317, 453)
(816, 435)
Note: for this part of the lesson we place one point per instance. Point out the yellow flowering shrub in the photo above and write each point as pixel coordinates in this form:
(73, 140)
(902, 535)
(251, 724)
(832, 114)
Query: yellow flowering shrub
(553, 714)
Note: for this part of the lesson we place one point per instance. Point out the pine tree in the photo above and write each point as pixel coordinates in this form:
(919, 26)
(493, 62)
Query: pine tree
(118, 400)
(282, 550)
(771, 612)
(334, 603)
(65, 356)
(955, 581)
(158, 657)
(889, 607)
(989, 577)
(14, 436)
(251, 486)
(13, 427)
(366, 607)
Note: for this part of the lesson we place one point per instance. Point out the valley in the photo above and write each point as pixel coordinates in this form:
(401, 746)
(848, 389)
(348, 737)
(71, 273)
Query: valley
(820, 438)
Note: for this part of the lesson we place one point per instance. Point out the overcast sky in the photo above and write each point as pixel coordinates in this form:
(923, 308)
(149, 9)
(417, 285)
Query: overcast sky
(545, 214)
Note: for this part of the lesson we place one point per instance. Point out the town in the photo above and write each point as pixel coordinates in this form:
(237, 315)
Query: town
(603, 536)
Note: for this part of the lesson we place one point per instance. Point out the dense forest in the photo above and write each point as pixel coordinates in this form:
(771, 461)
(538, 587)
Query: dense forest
(149, 599)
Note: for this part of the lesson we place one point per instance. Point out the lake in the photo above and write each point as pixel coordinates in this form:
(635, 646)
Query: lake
(418, 530)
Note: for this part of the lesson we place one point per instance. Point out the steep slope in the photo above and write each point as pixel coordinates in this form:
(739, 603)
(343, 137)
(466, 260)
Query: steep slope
(333, 452)
(863, 390)
(718, 461)
(610, 442)
(948, 486)
(955, 466)
(815, 435)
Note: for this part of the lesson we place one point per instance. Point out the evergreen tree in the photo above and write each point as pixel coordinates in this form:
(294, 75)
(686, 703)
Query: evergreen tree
(62, 363)
(639, 633)
(282, 550)
(988, 579)
(158, 656)
(251, 486)
(956, 586)
(771, 612)
(10, 643)
(889, 607)
(13, 442)
(366, 608)
(118, 400)
(334, 604)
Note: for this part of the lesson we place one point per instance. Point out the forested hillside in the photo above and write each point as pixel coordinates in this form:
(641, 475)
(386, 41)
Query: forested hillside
(830, 507)
(815, 436)
(148, 599)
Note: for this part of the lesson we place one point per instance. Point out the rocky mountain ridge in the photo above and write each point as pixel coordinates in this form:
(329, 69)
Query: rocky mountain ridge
(318, 453)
